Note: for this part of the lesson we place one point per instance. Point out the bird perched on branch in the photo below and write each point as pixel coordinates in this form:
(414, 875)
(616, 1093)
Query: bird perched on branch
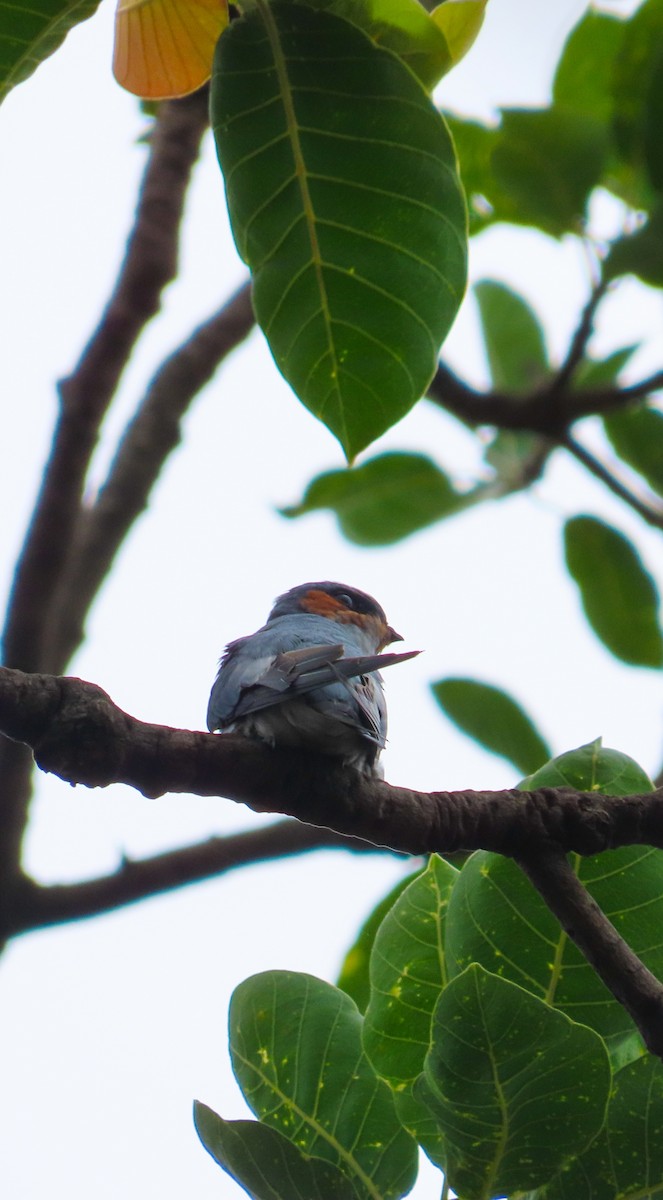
(310, 677)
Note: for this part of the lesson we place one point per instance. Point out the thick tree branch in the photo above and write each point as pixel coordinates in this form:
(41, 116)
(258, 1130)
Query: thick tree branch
(149, 264)
(152, 434)
(36, 907)
(78, 733)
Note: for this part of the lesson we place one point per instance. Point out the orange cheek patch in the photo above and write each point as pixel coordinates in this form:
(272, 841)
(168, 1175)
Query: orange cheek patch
(324, 605)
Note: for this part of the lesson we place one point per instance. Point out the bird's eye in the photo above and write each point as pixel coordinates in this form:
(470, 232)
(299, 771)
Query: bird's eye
(346, 600)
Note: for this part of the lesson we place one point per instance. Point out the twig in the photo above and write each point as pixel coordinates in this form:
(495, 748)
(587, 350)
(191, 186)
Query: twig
(149, 438)
(629, 980)
(578, 346)
(36, 907)
(649, 514)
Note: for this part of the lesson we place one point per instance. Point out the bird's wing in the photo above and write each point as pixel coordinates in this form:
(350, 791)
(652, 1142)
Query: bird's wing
(246, 685)
(295, 672)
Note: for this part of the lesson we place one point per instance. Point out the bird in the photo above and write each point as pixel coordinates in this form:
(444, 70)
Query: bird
(309, 677)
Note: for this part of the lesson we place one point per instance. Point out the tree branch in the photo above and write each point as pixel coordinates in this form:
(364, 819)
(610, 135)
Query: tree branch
(149, 438)
(149, 264)
(653, 516)
(37, 907)
(79, 734)
(629, 980)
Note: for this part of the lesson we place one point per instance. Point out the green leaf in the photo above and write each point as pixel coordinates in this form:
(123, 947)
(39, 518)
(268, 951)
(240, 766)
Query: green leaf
(29, 33)
(517, 1088)
(354, 975)
(265, 1163)
(637, 437)
(592, 768)
(641, 253)
(407, 975)
(494, 719)
(460, 23)
(599, 372)
(296, 1050)
(495, 917)
(638, 91)
(399, 25)
(546, 163)
(513, 338)
(583, 77)
(474, 144)
(345, 202)
(626, 1159)
(385, 499)
(618, 594)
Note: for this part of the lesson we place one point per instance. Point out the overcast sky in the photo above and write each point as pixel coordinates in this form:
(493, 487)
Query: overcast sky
(112, 1027)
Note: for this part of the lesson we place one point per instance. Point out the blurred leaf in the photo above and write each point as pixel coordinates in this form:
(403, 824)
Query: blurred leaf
(165, 48)
(636, 86)
(494, 720)
(637, 437)
(29, 33)
(354, 975)
(619, 596)
(497, 919)
(399, 25)
(626, 1159)
(407, 975)
(513, 338)
(517, 458)
(295, 1043)
(546, 162)
(598, 372)
(583, 77)
(385, 499)
(345, 202)
(474, 144)
(460, 22)
(639, 253)
(265, 1163)
(517, 1087)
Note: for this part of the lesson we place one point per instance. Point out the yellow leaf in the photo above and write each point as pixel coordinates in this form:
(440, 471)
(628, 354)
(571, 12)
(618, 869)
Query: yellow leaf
(460, 22)
(164, 48)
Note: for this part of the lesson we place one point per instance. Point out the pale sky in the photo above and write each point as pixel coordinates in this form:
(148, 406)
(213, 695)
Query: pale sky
(113, 1026)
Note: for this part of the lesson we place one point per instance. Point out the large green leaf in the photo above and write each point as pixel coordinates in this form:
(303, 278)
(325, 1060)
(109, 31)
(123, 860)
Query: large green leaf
(618, 594)
(637, 436)
(497, 919)
(403, 26)
(637, 87)
(385, 499)
(265, 1163)
(30, 32)
(295, 1043)
(407, 975)
(493, 719)
(345, 202)
(516, 1087)
(354, 974)
(583, 77)
(545, 164)
(513, 338)
(626, 1159)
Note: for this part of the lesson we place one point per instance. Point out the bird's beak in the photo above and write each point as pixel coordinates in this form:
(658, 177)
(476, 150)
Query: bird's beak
(392, 636)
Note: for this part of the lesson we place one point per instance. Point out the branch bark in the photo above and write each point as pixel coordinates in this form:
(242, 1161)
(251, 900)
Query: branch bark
(37, 907)
(78, 733)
